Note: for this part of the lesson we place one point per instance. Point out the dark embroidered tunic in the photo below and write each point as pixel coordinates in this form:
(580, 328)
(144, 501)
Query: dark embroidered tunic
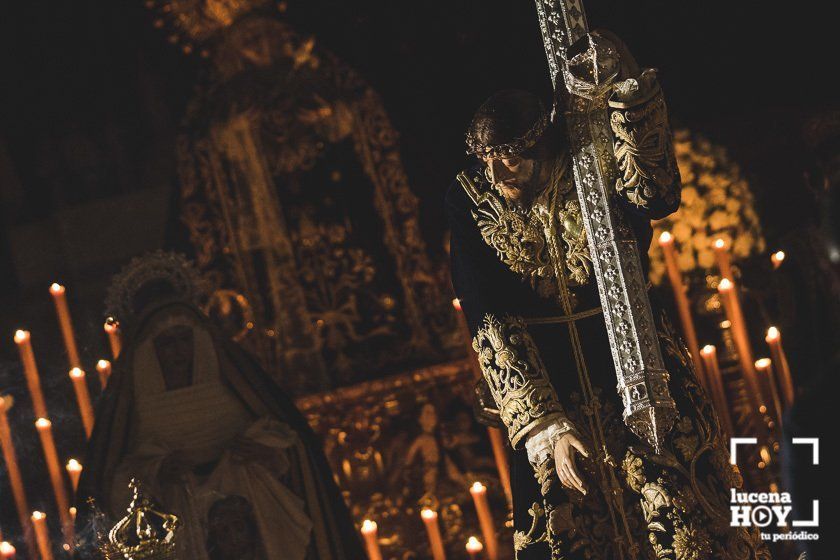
(524, 279)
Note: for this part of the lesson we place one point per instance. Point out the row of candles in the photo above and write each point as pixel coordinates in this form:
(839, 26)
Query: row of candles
(765, 378)
(38, 519)
(40, 546)
(473, 546)
(478, 491)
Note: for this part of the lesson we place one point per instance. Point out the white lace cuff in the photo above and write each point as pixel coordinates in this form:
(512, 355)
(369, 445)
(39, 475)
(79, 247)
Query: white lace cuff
(540, 444)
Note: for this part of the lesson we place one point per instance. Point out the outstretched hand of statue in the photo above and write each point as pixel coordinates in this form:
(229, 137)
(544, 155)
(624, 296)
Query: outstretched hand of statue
(565, 449)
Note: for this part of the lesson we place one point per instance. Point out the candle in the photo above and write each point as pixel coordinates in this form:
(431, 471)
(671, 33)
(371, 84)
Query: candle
(112, 329)
(7, 551)
(777, 258)
(474, 547)
(729, 296)
(485, 519)
(39, 521)
(12, 467)
(666, 241)
(371, 542)
(30, 370)
(709, 354)
(764, 367)
(777, 353)
(430, 518)
(103, 368)
(721, 249)
(497, 443)
(59, 295)
(77, 375)
(74, 471)
(44, 427)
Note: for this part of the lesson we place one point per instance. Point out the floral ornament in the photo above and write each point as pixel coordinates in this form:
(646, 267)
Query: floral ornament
(716, 203)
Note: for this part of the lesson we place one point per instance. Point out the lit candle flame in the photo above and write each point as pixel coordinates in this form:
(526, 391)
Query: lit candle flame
(368, 526)
(665, 237)
(56, 289)
(474, 545)
(21, 336)
(42, 424)
(427, 513)
(762, 363)
(725, 284)
(772, 334)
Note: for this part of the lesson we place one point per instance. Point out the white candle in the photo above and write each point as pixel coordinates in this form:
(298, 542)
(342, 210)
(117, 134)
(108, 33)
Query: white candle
(777, 258)
(709, 354)
(39, 521)
(721, 249)
(777, 352)
(729, 296)
(474, 547)
(369, 532)
(430, 518)
(44, 427)
(74, 471)
(33, 381)
(112, 329)
(103, 368)
(59, 294)
(77, 375)
(764, 367)
(7, 551)
(485, 519)
(666, 241)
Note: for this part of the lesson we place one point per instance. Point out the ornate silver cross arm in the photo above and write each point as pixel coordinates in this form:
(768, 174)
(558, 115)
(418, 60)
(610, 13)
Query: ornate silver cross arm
(586, 70)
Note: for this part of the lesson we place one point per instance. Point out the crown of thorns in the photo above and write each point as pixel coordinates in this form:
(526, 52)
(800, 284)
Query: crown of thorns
(509, 149)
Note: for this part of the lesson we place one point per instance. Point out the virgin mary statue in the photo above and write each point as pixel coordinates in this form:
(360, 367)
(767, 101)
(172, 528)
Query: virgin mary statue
(208, 433)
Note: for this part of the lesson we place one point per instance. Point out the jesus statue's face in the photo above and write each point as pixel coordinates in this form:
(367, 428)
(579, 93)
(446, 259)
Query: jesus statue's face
(174, 349)
(516, 177)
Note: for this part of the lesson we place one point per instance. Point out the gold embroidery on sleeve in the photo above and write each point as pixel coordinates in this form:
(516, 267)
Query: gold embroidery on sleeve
(644, 152)
(516, 376)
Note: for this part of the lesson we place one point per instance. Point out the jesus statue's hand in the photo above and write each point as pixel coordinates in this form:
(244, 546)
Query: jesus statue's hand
(564, 460)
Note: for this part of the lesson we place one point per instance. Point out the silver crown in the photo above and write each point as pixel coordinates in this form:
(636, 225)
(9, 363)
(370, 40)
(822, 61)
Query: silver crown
(179, 274)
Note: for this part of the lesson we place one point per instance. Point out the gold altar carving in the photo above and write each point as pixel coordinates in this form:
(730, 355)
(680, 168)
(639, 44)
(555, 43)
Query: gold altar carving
(407, 442)
(296, 200)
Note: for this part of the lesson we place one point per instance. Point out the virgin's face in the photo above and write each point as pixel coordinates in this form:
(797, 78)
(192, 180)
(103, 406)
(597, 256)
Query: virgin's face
(515, 177)
(174, 350)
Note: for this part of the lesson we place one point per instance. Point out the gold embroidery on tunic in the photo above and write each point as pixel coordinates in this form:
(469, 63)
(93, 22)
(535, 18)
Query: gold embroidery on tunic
(644, 151)
(516, 376)
(518, 234)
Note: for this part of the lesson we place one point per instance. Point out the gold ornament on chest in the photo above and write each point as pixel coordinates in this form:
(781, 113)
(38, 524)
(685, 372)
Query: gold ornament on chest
(518, 234)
